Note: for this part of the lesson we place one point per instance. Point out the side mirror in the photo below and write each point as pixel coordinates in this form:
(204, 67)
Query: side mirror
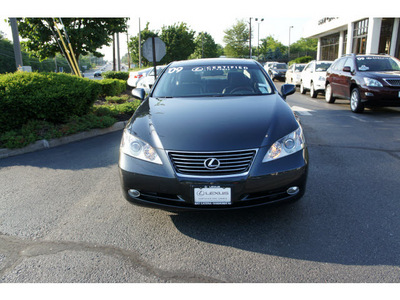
(287, 89)
(347, 69)
(138, 93)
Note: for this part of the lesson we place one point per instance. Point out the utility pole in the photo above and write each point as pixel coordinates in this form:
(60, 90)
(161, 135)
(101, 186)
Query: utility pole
(250, 38)
(17, 47)
(140, 47)
(113, 51)
(118, 54)
(129, 55)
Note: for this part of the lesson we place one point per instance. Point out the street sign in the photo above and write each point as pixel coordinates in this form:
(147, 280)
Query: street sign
(159, 49)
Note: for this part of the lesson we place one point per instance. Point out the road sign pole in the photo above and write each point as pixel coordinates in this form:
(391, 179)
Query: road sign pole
(154, 58)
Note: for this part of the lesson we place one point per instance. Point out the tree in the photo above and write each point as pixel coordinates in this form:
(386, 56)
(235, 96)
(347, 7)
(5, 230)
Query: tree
(7, 61)
(86, 35)
(179, 42)
(205, 46)
(237, 39)
(134, 44)
(304, 47)
(271, 48)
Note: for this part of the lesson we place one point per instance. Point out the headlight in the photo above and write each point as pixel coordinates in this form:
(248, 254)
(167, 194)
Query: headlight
(321, 78)
(274, 72)
(287, 145)
(137, 148)
(372, 82)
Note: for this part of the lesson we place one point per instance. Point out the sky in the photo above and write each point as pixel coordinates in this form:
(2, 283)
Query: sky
(211, 16)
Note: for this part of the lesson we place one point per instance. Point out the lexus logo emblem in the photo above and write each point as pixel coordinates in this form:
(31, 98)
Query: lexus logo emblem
(212, 163)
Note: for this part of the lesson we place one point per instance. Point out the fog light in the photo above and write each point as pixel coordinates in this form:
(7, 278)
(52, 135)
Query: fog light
(293, 190)
(133, 193)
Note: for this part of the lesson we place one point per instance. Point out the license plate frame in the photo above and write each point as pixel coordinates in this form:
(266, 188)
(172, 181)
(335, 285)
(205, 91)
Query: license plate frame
(212, 195)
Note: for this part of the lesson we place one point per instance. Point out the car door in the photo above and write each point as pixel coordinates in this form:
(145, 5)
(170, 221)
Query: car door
(336, 78)
(346, 77)
(306, 75)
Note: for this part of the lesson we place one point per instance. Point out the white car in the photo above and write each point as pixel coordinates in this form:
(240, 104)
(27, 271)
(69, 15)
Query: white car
(147, 82)
(313, 77)
(134, 77)
(293, 74)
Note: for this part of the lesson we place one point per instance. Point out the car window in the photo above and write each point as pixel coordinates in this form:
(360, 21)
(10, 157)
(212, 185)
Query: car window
(299, 68)
(212, 80)
(377, 63)
(322, 66)
(349, 63)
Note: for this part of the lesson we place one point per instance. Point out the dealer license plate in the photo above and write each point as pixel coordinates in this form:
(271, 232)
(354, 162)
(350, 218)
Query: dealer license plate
(212, 196)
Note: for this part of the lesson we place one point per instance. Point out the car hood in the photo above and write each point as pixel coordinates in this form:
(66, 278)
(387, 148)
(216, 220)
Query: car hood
(213, 124)
(382, 74)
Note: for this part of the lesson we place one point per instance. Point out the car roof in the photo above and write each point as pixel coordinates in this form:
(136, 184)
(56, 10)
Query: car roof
(207, 61)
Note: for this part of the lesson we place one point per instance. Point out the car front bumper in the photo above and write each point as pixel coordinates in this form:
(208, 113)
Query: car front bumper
(380, 96)
(159, 185)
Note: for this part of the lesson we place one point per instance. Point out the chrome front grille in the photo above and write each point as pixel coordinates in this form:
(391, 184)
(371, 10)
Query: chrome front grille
(212, 163)
(393, 82)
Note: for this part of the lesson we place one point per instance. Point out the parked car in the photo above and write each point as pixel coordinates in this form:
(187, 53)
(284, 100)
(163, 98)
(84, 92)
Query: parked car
(277, 71)
(97, 74)
(134, 77)
(269, 64)
(366, 80)
(213, 134)
(313, 77)
(147, 82)
(293, 74)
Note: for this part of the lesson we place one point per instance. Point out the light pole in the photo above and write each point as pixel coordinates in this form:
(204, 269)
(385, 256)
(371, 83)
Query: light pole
(258, 37)
(250, 39)
(290, 27)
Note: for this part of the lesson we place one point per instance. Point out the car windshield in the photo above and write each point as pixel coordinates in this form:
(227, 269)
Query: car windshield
(212, 80)
(279, 66)
(322, 66)
(377, 63)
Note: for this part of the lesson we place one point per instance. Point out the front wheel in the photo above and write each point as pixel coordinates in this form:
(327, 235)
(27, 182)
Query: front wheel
(302, 89)
(328, 94)
(355, 101)
(313, 92)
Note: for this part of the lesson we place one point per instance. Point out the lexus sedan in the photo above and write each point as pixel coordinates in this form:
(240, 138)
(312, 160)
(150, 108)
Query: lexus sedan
(213, 134)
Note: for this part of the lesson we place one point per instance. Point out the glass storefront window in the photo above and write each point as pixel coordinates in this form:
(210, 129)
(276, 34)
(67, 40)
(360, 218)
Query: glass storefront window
(330, 47)
(360, 34)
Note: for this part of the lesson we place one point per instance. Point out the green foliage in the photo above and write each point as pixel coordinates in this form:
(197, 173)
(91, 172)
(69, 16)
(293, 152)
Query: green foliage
(237, 40)
(116, 75)
(112, 110)
(36, 130)
(7, 61)
(112, 87)
(134, 45)
(179, 42)
(117, 99)
(44, 96)
(301, 60)
(86, 34)
(205, 47)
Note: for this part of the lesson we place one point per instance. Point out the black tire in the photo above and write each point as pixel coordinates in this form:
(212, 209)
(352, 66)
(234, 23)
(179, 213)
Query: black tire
(302, 89)
(328, 94)
(313, 92)
(355, 101)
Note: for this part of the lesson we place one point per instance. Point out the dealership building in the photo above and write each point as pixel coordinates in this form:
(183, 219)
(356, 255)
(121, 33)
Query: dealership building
(339, 36)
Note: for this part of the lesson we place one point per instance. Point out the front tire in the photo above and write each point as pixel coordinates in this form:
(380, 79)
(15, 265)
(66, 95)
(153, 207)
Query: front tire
(355, 101)
(302, 89)
(313, 93)
(328, 94)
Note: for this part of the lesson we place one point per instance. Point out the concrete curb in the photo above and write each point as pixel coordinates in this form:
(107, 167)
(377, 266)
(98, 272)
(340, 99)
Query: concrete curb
(44, 144)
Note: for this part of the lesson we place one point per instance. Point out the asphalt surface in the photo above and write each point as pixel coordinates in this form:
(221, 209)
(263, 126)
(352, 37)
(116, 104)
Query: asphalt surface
(63, 217)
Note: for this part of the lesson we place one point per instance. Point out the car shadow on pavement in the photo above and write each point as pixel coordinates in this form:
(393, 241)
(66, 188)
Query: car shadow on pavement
(338, 220)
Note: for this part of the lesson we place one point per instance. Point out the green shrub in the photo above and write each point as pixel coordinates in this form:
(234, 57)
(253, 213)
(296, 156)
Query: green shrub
(301, 60)
(117, 99)
(116, 75)
(44, 96)
(112, 87)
